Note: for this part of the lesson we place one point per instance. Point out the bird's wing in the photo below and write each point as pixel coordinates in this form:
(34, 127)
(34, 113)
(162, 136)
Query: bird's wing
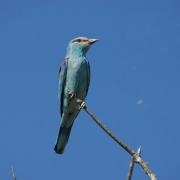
(88, 76)
(62, 80)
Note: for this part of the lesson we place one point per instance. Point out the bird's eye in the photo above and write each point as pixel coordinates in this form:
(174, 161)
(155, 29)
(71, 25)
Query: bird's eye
(78, 40)
(84, 40)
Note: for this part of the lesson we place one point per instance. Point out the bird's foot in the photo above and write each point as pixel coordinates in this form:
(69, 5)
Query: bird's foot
(81, 103)
(71, 94)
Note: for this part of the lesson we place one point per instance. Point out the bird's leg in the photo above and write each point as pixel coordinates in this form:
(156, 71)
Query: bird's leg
(81, 103)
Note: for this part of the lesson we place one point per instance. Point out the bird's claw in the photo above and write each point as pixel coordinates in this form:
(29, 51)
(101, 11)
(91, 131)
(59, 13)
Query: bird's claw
(71, 94)
(81, 103)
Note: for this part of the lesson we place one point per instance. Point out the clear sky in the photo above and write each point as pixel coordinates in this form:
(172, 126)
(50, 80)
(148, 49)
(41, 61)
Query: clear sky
(134, 90)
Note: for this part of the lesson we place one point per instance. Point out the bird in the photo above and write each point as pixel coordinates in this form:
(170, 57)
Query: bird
(74, 80)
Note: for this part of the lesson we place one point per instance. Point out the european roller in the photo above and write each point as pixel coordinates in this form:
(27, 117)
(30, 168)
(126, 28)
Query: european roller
(74, 82)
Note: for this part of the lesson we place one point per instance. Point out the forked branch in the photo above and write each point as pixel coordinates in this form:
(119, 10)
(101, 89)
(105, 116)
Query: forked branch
(131, 165)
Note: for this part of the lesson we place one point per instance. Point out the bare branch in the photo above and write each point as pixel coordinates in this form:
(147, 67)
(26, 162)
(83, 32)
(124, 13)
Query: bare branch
(136, 156)
(131, 165)
(101, 125)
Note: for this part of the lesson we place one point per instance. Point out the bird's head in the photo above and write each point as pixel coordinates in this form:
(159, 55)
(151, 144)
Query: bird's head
(80, 45)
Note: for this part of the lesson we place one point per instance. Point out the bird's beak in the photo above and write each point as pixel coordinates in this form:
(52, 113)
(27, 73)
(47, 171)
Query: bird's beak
(92, 41)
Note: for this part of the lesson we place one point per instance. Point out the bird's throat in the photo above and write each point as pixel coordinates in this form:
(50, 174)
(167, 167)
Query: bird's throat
(76, 51)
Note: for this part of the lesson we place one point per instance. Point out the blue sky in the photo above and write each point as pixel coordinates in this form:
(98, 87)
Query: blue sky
(136, 60)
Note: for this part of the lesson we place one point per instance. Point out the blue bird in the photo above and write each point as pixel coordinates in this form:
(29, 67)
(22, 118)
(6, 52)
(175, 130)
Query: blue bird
(74, 82)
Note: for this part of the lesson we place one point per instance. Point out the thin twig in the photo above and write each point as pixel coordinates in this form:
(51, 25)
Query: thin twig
(131, 165)
(13, 173)
(136, 156)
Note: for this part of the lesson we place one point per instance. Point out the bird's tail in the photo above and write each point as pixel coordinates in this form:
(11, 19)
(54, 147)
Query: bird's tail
(62, 140)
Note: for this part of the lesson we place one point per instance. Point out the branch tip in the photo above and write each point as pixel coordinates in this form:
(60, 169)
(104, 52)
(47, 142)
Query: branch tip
(13, 173)
(139, 150)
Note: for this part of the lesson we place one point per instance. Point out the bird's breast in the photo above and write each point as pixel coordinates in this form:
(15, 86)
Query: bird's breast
(77, 77)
